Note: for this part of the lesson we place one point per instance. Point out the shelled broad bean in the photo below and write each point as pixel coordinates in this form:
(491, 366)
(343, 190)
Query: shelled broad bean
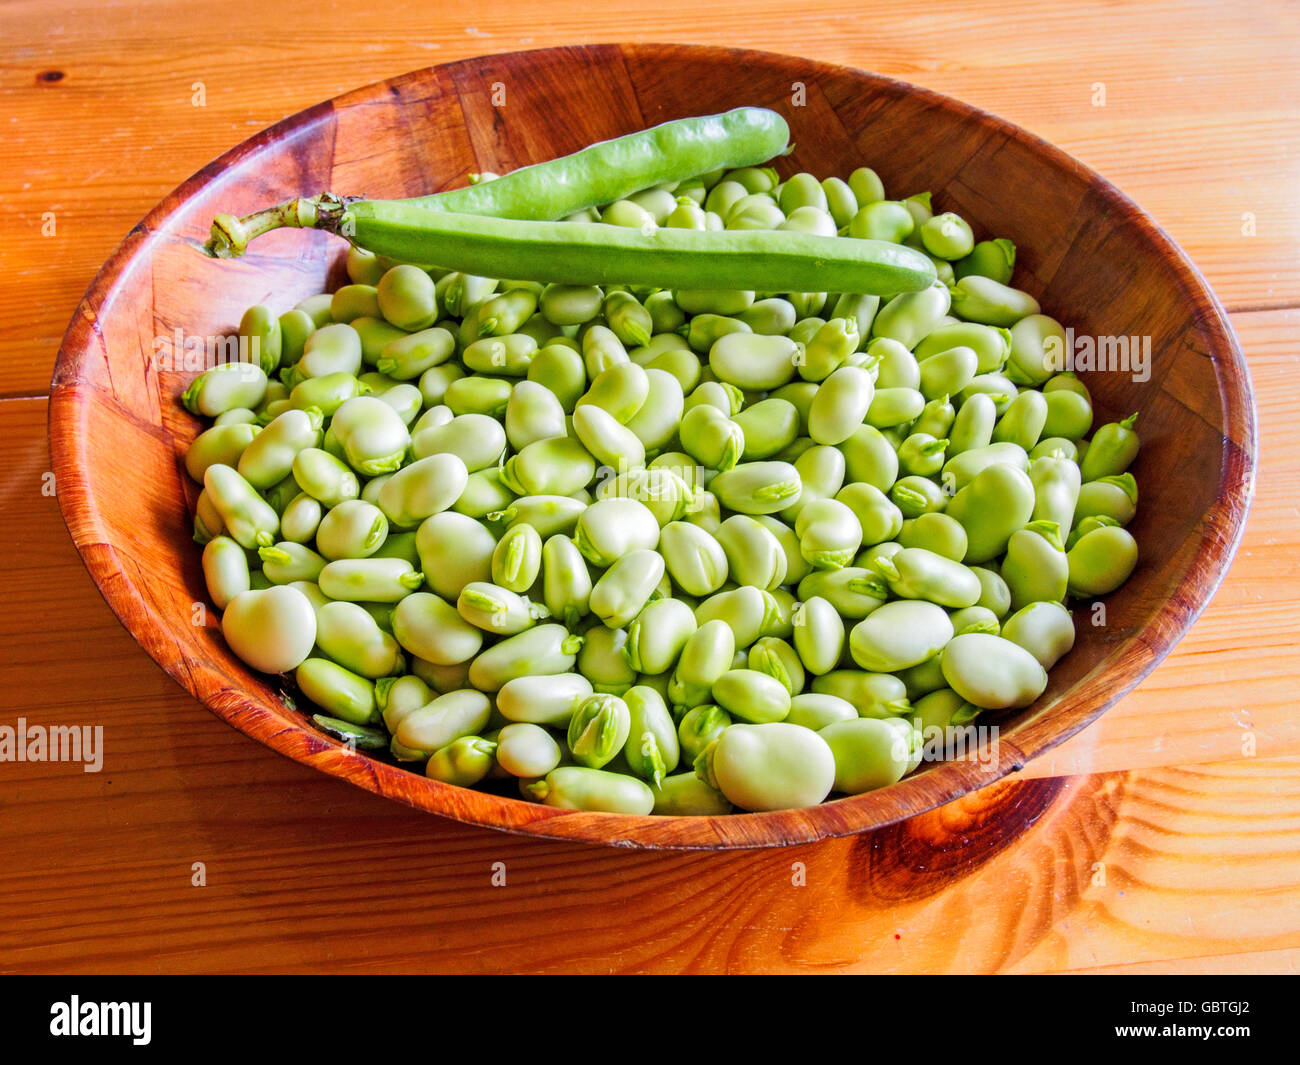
(662, 551)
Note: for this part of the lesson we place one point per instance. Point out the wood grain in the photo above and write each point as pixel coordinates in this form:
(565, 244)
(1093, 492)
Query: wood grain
(1199, 132)
(299, 873)
(1196, 707)
(98, 866)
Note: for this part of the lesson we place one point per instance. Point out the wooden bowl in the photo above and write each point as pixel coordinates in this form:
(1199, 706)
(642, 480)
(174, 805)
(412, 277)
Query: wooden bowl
(1096, 261)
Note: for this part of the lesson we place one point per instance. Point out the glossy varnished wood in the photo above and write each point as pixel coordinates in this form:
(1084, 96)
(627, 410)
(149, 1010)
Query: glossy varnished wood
(105, 117)
(195, 849)
(1095, 259)
(98, 873)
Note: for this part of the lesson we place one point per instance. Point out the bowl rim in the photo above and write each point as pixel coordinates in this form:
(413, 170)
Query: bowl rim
(1220, 534)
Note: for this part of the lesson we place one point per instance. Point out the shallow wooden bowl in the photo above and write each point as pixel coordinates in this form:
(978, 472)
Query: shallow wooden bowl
(1095, 260)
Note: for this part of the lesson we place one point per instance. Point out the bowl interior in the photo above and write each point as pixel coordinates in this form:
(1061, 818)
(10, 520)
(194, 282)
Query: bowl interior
(1093, 259)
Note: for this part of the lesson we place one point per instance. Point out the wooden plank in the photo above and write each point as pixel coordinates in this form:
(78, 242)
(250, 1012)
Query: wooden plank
(1212, 116)
(1255, 963)
(193, 875)
(1199, 705)
(305, 873)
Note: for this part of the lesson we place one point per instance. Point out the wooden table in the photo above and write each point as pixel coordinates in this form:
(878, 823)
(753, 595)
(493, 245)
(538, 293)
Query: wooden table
(1164, 838)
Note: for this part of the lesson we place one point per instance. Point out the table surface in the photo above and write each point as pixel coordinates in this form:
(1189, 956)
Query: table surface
(1166, 837)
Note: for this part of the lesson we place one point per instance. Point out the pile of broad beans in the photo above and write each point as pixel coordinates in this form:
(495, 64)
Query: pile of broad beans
(670, 551)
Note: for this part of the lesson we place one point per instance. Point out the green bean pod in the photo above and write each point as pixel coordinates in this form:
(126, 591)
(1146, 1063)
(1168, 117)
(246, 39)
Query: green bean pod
(615, 169)
(597, 255)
